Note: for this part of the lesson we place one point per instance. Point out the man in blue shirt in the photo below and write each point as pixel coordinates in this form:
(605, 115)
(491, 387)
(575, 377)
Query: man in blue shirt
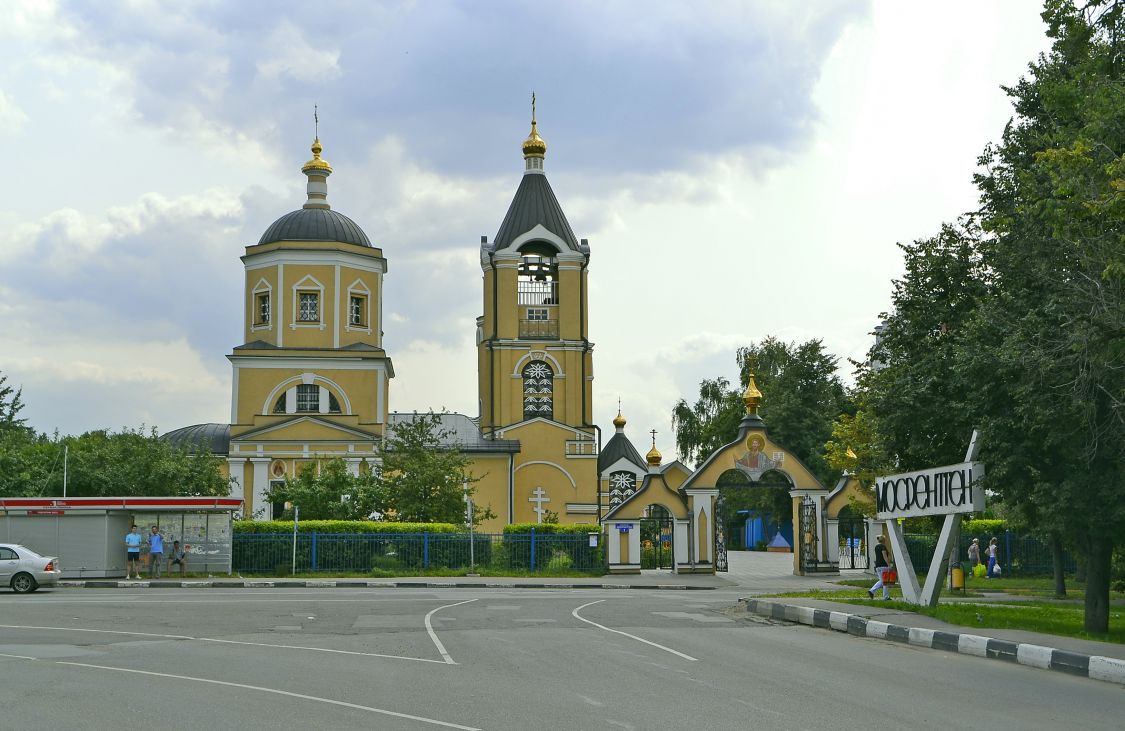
(132, 553)
(156, 552)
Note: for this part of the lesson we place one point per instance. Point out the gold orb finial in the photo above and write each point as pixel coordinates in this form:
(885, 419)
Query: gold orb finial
(534, 145)
(653, 457)
(316, 164)
(619, 420)
(752, 396)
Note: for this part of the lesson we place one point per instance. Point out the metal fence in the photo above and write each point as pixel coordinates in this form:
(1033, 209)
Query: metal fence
(390, 553)
(1018, 555)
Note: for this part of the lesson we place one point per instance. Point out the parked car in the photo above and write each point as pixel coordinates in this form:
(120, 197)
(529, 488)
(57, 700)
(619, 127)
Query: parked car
(25, 570)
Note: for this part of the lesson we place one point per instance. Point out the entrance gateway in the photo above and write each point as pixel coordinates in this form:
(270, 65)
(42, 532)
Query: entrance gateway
(701, 520)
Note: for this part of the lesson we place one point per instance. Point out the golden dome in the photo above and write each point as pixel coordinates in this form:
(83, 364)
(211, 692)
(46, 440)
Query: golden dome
(752, 396)
(534, 145)
(653, 457)
(619, 420)
(316, 163)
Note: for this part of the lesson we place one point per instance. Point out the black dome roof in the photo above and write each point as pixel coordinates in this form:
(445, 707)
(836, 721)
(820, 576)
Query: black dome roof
(215, 437)
(315, 224)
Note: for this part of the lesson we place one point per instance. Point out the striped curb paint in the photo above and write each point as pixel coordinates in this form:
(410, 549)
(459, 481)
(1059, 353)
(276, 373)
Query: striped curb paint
(1096, 667)
(353, 584)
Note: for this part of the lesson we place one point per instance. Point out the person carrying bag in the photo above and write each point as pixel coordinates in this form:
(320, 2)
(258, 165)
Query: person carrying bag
(883, 566)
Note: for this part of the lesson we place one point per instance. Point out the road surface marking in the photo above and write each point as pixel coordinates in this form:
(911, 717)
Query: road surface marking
(275, 691)
(433, 635)
(236, 642)
(626, 634)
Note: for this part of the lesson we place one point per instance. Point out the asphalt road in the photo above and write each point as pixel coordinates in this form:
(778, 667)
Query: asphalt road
(489, 659)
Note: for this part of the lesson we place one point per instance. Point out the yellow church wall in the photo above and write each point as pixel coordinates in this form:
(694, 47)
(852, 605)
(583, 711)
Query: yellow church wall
(506, 301)
(570, 301)
(853, 490)
(491, 488)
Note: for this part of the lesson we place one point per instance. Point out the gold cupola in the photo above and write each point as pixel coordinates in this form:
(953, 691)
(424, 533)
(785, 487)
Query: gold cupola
(534, 147)
(752, 397)
(653, 457)
(619, 420)
(316, 163)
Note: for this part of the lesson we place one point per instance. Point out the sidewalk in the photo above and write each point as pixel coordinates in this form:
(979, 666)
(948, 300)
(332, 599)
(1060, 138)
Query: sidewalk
(646, 580)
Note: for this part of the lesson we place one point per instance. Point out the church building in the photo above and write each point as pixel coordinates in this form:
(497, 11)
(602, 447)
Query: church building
(312, 379)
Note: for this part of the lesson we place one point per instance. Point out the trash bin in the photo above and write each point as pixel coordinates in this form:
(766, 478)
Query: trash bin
(957, 578)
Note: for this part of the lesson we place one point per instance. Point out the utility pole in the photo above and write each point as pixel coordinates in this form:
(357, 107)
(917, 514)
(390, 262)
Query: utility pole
(66, 454)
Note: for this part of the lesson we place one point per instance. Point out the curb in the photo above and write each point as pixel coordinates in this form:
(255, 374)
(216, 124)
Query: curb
(1096, 667)
(349, 584)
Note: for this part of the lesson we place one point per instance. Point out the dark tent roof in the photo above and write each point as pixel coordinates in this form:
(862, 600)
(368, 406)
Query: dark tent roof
(617, 447)
(534, 204)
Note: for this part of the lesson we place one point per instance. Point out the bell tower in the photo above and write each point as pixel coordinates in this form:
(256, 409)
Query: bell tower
(535, 359)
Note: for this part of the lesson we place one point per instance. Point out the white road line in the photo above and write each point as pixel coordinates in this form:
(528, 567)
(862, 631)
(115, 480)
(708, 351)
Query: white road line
(275, 691)
(634, 637)
(239, 642)
(319, 649)
(433, 635)
(18, 657)
(103, 631)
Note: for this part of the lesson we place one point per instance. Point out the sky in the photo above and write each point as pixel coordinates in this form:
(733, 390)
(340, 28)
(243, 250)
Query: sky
(740, 169)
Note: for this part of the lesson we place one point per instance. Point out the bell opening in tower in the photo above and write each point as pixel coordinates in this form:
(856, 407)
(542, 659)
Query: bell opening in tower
(538, 280)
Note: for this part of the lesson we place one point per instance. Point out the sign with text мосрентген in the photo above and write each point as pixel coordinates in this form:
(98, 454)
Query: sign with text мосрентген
(936, 491)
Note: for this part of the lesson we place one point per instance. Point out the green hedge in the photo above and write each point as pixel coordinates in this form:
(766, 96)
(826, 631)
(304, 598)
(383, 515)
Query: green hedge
(543, 529)
(983, 526)
(341, 526)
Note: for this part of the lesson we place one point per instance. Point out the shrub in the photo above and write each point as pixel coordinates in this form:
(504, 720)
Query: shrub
(560, 561)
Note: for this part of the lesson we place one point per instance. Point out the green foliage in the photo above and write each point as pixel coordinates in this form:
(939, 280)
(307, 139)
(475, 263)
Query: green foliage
(560, 561)
(856, 447)
(423, 480)
(326, 490)
(982, 527)
(801, 396)
(340, 526)
(11, 404)
(551, 529)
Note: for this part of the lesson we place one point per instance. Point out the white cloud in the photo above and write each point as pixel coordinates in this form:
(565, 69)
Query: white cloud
(12, 118)
(290, 54)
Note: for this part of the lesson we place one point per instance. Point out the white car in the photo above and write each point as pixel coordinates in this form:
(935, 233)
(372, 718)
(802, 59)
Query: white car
(25, 570)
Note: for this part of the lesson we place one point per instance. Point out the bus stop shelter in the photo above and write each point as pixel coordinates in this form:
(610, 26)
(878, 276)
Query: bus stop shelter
(88, 533)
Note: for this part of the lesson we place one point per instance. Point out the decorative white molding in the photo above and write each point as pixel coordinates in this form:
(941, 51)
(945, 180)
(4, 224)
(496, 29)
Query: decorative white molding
(289, 386)
(551, 464)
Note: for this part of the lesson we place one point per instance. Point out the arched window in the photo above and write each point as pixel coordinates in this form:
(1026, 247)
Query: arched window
(538, 390)
(622, 485)
(307, 399)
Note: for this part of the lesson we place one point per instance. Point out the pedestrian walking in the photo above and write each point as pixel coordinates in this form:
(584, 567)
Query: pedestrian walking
(132, 553)
(155, 552)
(993, 568)
(974, 556)
(882, 566)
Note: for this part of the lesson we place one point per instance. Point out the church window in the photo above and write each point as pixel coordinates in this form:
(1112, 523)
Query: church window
(309, 307)
(622, 485)
(333, 404)
(537, 313)
(538, 390)
(279, 407)
(357, 311)
(538, 279)
(308, 398)
(263, 309)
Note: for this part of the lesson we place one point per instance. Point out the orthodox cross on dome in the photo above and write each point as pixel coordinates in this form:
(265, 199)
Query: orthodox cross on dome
(653, 433)
(539, 497)
(316, 123)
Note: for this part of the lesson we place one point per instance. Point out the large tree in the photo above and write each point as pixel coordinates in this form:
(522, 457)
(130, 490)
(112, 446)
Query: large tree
(801, 396)
(423, 478)
(1048, 356)
(325, 490)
